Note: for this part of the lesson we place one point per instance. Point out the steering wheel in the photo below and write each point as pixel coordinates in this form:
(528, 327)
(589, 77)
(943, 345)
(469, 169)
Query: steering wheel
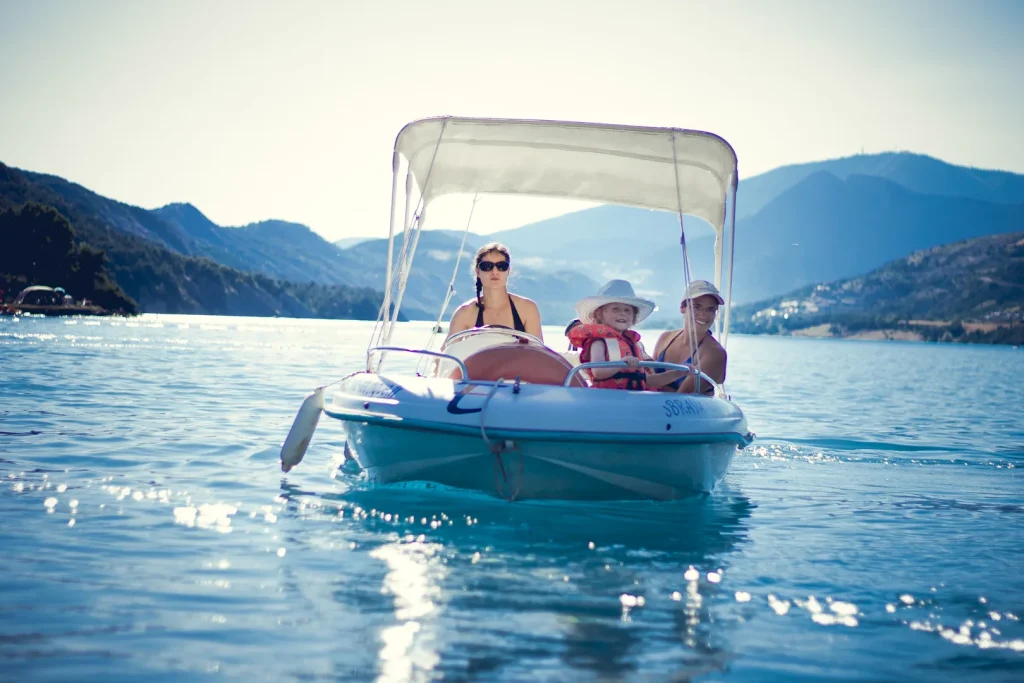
(520, 337)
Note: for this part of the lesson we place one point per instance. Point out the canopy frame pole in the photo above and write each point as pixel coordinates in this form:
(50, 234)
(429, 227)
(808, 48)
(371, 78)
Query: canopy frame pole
(386, 305)
(732, 257)
(416, 227)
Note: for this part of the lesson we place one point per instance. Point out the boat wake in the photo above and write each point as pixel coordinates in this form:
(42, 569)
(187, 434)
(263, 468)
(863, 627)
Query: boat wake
(824, 449)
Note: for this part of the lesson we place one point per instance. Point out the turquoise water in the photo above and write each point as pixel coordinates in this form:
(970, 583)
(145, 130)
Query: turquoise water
(874, 531)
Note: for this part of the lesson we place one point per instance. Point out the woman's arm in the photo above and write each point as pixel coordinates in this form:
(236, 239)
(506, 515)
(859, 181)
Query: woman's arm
(659, 380)
(659, 345)
(530, 314)
(462, 319)
(712, 364)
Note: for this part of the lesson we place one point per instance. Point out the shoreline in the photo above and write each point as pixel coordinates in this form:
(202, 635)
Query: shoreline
(973, 333)
(54, 311)
(824, 332)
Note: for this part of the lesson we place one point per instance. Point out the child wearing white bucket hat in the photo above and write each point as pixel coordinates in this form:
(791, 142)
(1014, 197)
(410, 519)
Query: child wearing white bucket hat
(605, 335)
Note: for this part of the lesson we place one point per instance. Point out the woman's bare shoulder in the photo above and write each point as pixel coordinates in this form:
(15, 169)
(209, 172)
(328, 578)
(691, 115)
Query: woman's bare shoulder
(523, 301)
(663, 338)
(667, 334)
(527, 306)
(467, 304)
(466, 310)
(715, 348)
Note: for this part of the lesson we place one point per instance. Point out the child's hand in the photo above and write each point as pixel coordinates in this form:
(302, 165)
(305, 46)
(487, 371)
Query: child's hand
(632, 362)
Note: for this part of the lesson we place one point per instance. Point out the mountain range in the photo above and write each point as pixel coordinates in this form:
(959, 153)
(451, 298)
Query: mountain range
(797, 225)
(916, 172)
(163, 270)
(926, 295)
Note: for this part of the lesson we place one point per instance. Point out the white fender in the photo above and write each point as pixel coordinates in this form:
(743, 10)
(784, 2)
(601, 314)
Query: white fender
(299, 436)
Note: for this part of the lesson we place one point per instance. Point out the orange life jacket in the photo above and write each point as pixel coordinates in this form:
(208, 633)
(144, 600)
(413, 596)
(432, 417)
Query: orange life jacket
(627, 344)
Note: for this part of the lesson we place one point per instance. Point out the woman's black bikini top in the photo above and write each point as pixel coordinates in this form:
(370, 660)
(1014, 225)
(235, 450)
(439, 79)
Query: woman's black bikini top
(516, 320)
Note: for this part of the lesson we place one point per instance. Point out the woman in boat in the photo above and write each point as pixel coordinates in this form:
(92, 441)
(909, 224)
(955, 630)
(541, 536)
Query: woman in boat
(493, 304)
(697, 348)
(605, 335)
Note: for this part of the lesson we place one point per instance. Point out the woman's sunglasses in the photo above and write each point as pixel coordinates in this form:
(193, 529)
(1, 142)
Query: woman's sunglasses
(488, 266)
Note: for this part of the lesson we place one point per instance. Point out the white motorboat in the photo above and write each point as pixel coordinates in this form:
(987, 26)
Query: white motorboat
(496, 410)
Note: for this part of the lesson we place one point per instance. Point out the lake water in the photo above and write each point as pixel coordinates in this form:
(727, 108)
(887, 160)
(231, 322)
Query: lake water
(873, 531)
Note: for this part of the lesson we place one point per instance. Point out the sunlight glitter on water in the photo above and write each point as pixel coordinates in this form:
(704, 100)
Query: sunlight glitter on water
(413, 580)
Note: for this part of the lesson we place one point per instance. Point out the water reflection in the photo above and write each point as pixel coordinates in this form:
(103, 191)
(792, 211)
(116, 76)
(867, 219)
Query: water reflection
(679, 627)
(610, 584)
(704, 638)
(601, 646)
(694, 527)
(414, 581)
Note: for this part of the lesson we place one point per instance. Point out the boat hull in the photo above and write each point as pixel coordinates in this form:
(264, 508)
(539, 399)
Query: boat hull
(539, 441)
(538, 469)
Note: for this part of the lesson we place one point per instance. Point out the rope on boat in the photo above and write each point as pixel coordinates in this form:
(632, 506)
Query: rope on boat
(497, 448)
(451, 285)
(691, 319)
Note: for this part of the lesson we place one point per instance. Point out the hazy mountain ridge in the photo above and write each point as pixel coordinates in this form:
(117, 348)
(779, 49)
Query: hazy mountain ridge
(293, 251)
(970, 287)
(555, 290)
(826, 222)
(800, 225)
(826, 228)
(162, 280)
(281, 249)
(916, 172)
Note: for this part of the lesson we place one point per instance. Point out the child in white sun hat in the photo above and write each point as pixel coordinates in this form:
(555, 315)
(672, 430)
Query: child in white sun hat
(605, 335)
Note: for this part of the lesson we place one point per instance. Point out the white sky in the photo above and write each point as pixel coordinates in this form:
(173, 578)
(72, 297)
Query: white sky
(253, 110)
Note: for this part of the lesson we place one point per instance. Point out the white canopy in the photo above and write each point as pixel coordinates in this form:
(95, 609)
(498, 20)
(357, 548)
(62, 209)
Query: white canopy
(627, 165)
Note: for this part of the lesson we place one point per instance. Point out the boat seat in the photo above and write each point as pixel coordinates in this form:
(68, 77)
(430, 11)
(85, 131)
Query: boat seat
(531, 364)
